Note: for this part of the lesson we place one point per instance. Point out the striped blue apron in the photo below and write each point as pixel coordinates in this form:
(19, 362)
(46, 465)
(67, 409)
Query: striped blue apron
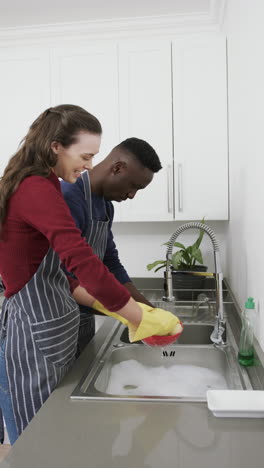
(96, 236)
(40, 324)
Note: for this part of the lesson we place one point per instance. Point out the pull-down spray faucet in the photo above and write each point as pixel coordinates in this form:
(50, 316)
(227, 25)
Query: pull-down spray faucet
(217, 335)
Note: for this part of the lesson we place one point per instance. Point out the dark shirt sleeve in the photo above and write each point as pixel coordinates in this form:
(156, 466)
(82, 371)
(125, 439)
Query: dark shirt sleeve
(111, 258)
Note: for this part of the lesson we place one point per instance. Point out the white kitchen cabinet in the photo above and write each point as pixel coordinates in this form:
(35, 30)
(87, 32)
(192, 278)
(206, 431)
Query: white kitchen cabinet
(24, 94)
(200, 128)
(189, 136)
(88, 76)
(145, 102)
(172, 94)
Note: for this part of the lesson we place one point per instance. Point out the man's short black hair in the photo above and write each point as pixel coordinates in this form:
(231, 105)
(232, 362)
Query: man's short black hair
(143, 152)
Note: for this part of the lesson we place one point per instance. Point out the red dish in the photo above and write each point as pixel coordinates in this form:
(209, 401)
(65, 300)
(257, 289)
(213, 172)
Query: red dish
(157, 340)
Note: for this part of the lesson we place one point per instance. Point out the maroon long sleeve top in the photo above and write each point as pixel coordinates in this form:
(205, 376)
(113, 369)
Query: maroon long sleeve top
(37, 219)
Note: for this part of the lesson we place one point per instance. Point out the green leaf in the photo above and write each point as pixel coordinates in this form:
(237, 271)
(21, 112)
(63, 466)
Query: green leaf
(176, 259)
(159, 268)
(200, 238)
(183, 266)
(176, 244)
(197, 254)
(188, 253)
(187, 258)
(158, 262)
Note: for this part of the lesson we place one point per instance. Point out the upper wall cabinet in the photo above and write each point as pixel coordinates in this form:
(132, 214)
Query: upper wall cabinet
(177, 101)
(88, 76)
(24, 94)
(171, 94)
(200, 128)
(146, 112)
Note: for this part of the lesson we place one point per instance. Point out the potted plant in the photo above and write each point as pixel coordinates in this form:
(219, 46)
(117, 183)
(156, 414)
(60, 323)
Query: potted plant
(186, 258)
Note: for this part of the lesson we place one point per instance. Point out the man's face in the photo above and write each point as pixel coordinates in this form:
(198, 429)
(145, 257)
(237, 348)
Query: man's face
(126, 178)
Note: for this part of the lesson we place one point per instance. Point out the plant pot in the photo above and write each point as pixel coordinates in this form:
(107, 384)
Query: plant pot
(185, 285)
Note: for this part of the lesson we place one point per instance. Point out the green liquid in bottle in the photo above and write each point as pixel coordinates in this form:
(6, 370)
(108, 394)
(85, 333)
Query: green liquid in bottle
(246, 358)
(246, 348)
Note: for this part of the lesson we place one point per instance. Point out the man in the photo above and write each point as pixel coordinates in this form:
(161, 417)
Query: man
(129, 167)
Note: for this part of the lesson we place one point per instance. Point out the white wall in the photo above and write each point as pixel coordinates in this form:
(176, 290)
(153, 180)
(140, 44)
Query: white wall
(141, 243)
(245, 236)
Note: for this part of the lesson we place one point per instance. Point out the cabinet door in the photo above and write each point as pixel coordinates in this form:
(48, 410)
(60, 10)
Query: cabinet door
(24, 94)
(200, 128)
(146, 113)
(88, 76)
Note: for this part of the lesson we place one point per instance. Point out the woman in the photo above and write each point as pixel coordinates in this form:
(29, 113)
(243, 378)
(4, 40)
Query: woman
(40, 319)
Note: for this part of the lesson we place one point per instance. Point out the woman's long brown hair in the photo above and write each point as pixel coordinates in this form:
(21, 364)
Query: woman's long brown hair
(35, 156)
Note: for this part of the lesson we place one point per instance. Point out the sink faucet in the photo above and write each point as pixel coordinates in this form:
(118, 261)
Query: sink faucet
(218, 334)
(205, 302)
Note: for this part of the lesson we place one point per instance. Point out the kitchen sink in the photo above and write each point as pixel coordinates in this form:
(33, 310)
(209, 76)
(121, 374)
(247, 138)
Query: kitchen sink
(123, 371)
(172, 372)
(155, 295)
(193, 334)
(190, 310)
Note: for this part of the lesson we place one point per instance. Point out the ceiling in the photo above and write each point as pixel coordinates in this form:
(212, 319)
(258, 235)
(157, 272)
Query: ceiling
(20, 13)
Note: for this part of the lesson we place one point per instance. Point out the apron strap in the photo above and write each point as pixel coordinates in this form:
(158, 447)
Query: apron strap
(88, 195)
(2, 430)
(3, 319)
(87, 192)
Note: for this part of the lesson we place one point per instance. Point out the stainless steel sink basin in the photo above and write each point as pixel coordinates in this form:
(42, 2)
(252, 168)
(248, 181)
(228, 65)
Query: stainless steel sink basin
(155, 295)
(142, 372)
(193, 334)
(189, 369)
(190, 310)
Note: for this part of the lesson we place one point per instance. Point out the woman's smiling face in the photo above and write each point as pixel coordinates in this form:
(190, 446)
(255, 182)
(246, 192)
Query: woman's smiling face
(77, 157)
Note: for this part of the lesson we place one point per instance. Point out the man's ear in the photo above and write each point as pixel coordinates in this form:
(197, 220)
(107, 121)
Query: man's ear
(118, 167)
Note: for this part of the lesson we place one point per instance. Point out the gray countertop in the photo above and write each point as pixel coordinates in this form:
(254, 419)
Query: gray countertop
(77, 434)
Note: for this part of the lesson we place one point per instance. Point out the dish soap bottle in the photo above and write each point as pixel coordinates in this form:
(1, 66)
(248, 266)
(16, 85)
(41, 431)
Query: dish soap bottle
(246, 350)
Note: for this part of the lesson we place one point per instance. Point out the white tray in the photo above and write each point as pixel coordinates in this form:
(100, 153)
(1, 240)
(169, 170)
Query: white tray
(236, 403)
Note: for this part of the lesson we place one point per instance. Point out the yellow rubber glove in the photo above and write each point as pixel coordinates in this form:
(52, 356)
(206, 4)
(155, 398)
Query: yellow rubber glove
(98, 306)
(154, 322)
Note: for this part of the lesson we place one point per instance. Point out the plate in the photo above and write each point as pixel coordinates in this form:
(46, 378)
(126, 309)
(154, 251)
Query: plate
(236, 403)
(156, 340)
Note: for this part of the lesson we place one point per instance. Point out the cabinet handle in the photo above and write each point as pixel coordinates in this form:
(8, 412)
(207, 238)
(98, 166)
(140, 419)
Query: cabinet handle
(169, 188)
(180, 207)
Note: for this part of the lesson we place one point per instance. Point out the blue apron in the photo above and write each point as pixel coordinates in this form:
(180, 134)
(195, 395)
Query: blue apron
(40, 324)
(96, 234)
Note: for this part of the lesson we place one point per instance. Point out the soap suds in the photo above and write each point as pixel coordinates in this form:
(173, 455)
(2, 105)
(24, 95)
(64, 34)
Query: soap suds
(133, 378)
